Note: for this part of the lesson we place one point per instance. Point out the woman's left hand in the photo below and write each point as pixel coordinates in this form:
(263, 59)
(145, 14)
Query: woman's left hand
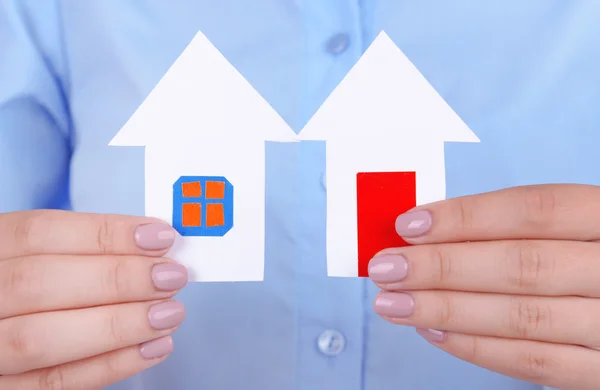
(507, 280)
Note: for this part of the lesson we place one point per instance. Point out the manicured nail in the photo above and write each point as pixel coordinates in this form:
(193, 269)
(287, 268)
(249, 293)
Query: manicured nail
(437, 336)
(169, 276)
(154, 236)
(157, 348)
(388, 268)
(166, 315)
(413, 223)
(396, 305)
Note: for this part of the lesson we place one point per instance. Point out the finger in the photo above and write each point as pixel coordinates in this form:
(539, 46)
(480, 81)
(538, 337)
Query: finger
(96, 372)
(568, 320)
(553, 365)
(530, 267)
(50, 339)
(57, 282)
(568, 212)
(63, 232)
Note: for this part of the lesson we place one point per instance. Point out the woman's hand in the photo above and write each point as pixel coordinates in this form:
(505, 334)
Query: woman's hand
(508, 280)
(84, 299)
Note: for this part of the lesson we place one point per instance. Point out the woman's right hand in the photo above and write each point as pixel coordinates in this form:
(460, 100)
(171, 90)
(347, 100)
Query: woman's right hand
(85, 299)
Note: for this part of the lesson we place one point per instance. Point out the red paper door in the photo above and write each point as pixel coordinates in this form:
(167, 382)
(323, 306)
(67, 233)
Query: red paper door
(381, 197)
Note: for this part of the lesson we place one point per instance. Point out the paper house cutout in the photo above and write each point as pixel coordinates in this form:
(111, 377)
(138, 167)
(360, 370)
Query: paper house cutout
(384, 125)
(384, 117)
(203, 122)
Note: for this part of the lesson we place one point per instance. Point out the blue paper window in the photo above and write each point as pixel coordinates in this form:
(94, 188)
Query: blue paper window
(202, 206)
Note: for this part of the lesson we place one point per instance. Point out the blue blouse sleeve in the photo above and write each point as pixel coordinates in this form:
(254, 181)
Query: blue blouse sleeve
(34, 120)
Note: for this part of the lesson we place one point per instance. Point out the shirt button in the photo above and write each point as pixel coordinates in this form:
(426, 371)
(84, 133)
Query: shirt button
(331, 343)
(338, 43)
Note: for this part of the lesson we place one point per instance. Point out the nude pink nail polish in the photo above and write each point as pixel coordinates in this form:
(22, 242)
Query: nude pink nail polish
(157, 348)
(398, 305)
(166, 315)
(436, 336)
(388, 268)
(169, 276)
(413, 223)
(154, 236)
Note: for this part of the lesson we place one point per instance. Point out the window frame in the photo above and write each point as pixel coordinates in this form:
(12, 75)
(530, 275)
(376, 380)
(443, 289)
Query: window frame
(179, 200)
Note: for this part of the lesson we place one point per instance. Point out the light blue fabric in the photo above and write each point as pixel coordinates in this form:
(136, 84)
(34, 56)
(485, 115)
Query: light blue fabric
(523, 74)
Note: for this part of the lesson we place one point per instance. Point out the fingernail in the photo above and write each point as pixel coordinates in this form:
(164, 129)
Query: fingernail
(413, 223)
(437, 336)
(166, 315)
(396, 305)
(169, 276)
(157, 348)
(154, 236)
(388, 268)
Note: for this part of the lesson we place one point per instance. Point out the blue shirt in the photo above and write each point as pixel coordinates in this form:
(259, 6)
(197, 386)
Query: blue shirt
(522, 74)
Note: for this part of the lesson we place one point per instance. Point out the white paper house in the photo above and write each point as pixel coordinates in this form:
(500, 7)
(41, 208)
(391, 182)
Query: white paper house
(204, 129)
(383, 117)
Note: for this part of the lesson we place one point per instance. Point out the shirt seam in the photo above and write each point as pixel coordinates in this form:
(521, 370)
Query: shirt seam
(65, 79)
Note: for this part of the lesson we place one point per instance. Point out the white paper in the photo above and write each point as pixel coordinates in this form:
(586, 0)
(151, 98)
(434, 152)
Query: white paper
(383, 117)
(203, 95)
(346, 158)
(239, 254)
(385, 96)
(204, 119)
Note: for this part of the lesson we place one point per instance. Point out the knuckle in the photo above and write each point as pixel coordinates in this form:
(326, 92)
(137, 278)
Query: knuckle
(21, 284)
(116, 281)
(116, 329)
(464, 215)
(52, 379)
(539, 206)
(472, 352)
(533, 367)
(526, 266)
(30, 231)
(22, 346)
(18, 277)
(447, 312)
(113, 365)
(105, 239)
(442, 266)
(527, 319)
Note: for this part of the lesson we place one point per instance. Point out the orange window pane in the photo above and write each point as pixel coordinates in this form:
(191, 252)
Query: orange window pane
(191, 190)
(215, 215)
(215, 190)
(191, 214)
